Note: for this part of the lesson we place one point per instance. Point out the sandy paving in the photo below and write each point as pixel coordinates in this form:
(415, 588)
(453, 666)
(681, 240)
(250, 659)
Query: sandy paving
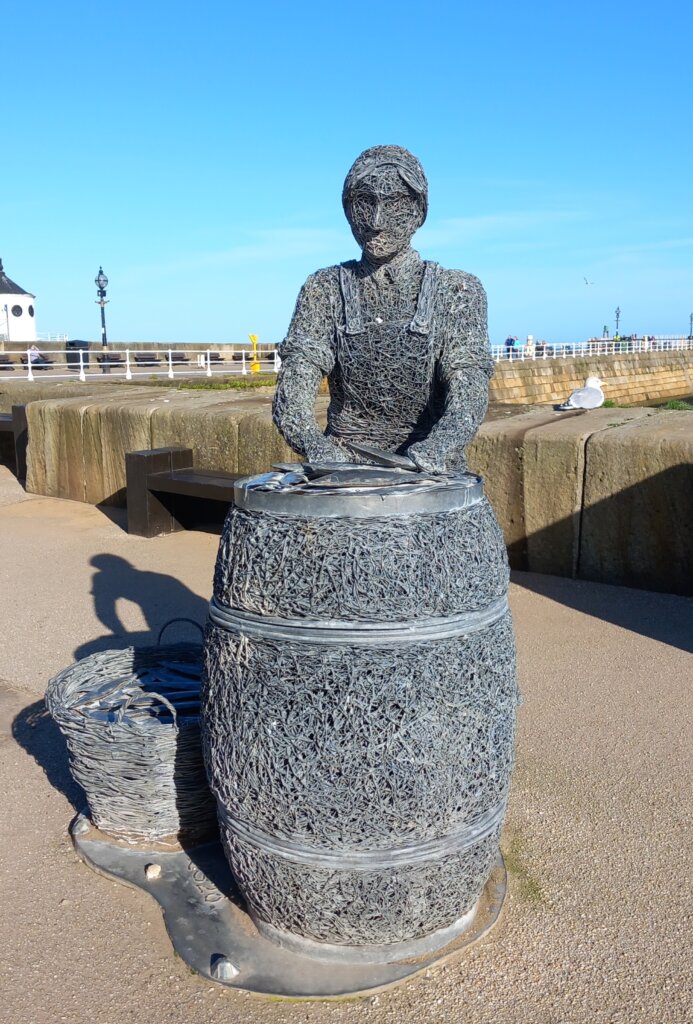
(596, 925)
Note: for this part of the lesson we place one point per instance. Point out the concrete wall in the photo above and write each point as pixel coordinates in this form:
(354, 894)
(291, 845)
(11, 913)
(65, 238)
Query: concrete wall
(605, 495)
(642, 377)
(78, 444)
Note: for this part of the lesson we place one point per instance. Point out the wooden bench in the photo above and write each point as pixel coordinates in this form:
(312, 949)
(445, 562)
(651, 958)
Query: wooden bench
(37, 364)
(164, 490)
(111, 359)
(14, 424)
(147, 359)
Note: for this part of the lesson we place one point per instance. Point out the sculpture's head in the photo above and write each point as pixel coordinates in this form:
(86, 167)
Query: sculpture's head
(385, 198)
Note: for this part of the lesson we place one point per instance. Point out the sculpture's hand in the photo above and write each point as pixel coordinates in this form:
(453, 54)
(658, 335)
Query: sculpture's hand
(427, 457)
(326, 449)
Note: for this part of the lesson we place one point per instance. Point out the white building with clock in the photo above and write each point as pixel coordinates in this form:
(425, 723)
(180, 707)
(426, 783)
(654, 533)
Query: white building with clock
(17, 313)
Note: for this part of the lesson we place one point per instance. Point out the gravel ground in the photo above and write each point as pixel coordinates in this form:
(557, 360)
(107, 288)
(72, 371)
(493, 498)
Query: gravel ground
(596, 924)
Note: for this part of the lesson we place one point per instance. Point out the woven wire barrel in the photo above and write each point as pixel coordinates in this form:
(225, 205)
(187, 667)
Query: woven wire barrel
(130, 719)
(359, 704)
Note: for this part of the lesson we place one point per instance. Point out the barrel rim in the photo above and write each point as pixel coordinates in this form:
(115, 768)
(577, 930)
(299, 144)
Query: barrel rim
(454, 491)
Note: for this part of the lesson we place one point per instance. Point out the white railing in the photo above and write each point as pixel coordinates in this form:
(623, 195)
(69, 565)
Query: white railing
(129, 364)
(53, 337)
(593, 347)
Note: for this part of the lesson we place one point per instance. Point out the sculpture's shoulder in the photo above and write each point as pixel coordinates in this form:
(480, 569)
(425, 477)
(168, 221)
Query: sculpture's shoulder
(324, 280)
(459, 284)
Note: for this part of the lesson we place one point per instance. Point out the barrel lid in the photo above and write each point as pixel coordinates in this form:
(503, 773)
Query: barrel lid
(346, 491)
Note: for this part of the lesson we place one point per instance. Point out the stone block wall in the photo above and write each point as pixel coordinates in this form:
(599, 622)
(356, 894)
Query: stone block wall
(605, 495)
(632, 379)
(77, 445)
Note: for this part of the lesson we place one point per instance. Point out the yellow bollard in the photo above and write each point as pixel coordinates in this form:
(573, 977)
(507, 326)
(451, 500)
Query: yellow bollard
(255, 363)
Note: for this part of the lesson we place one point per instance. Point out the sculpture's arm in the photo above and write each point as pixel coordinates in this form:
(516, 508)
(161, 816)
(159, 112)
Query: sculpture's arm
(464, 369)
(307, 356)
(294, 416)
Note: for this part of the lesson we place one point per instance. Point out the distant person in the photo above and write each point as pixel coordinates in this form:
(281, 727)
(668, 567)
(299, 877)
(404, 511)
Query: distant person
(605, 332)
(36, 356)
(509, 343)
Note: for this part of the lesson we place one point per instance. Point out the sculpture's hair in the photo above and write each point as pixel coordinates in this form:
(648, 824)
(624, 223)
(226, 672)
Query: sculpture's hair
(371, 160)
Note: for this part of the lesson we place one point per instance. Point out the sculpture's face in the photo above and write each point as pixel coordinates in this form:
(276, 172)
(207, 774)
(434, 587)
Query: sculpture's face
(383, 213)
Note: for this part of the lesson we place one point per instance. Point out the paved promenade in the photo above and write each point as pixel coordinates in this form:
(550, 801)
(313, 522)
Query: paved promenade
(596, 925)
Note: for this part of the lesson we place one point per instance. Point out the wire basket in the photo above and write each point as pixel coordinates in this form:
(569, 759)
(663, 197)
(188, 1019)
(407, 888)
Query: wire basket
(131, 722)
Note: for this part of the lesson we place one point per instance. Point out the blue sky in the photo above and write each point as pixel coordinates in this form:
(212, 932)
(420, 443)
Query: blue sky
(198, 153)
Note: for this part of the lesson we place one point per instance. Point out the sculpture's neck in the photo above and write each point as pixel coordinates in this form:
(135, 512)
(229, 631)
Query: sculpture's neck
(394, 263)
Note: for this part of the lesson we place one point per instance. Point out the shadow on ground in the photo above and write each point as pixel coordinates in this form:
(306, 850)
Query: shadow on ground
(36, 732)
(162, 598)
(172, 613)
(663, 617)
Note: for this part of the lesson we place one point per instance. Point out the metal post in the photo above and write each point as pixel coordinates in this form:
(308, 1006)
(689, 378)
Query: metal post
(618, 317)
(128, 371)
(82, 375)
(101, 281)
(29, 371)
(209, 363)
(170, 366)
(243, 368)
(690, 326)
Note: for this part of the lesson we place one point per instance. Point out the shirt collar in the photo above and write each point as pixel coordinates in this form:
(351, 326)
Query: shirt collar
(408, 259)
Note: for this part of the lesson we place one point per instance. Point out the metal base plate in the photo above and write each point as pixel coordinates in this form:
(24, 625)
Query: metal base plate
(212, 932)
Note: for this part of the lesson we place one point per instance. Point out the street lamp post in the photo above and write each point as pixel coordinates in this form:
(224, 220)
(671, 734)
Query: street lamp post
(690, 326)
(101, 282)
(618, 317)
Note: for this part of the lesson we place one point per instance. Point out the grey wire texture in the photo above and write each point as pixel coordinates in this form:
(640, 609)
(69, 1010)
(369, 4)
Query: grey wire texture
(370, 746)
(318, 748)
(403, 343)
(131, 722)
(383, 570)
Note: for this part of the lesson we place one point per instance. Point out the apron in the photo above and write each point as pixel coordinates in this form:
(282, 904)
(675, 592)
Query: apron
(383, 385)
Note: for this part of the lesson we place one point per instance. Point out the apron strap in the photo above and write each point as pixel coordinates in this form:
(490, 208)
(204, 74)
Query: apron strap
(425, 306)
(350, 296)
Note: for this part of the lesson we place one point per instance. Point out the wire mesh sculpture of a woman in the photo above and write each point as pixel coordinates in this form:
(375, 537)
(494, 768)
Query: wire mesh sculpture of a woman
(403, 342)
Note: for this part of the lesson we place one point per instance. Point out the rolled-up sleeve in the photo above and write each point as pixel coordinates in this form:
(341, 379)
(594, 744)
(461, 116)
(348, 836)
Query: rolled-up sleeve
(464, 327)
(308, 354)
(310, 338)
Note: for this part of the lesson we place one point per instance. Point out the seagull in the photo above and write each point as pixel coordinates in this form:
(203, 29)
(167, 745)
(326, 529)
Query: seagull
(586, 281)
(589, 397)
